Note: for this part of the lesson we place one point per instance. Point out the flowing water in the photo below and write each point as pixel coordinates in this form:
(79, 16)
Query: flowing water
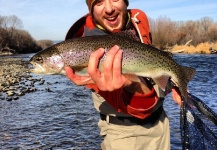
(66, 119)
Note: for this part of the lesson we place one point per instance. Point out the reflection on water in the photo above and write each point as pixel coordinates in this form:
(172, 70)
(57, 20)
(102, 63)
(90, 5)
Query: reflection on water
(66, 119)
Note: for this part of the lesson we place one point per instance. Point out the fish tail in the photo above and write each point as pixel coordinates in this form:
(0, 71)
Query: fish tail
(187, 74)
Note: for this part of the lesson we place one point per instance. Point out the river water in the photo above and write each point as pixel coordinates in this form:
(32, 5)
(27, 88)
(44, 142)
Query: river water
(66, 119)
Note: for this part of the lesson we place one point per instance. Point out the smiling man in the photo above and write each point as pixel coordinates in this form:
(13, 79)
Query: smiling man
(115, 15)
(131, 113)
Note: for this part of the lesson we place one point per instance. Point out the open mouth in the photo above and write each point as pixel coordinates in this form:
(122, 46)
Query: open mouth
(112, 20)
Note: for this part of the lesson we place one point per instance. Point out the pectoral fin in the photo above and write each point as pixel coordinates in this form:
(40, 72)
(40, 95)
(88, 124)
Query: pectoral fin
(161, 81)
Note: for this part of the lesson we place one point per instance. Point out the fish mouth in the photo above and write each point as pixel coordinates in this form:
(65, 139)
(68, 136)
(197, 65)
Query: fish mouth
(44, 69)
(36, 68)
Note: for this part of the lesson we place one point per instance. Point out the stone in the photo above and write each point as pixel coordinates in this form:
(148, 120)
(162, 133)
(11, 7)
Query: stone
(10, 93)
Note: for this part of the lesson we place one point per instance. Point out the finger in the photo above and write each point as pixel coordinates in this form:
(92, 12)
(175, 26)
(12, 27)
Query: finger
(92, 69)
(69, 72)
(78, 80)
(118, 78)
(108, 64)
(94, 62)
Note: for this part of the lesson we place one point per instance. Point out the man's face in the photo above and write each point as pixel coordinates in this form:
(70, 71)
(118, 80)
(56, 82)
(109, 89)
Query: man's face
(110, 14)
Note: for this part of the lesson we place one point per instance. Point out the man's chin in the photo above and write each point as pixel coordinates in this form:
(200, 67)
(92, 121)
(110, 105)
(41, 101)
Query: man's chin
(112, 28)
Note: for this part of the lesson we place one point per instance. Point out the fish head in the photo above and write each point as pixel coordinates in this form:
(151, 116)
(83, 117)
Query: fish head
(46, 62)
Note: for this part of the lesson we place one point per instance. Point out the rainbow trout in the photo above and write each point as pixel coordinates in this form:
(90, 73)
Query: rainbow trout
(138, 59)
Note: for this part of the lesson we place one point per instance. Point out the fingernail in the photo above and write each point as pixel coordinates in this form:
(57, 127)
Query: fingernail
(116, 46)
(102, 50)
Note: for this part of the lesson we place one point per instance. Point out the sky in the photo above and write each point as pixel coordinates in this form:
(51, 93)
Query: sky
(51, 19)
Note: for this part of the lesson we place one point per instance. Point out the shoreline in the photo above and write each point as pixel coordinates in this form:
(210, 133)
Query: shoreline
(15, 78)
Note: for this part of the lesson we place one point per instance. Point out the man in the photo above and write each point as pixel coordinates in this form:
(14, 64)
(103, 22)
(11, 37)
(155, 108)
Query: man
(131, 113)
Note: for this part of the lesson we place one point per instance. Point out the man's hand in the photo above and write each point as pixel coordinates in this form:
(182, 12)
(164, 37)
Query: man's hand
(111, 78)
(78, 80)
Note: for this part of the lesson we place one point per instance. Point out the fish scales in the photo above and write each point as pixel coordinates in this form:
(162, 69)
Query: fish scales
(139, 59)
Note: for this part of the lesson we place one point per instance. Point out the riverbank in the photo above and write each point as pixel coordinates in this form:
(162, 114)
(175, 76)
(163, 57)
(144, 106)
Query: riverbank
(15, 78)
(202, 48)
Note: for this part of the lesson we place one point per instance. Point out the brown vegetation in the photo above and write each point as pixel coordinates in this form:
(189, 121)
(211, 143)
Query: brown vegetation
(202, 48)
(44, 43)
(170, 35)
(12, 37)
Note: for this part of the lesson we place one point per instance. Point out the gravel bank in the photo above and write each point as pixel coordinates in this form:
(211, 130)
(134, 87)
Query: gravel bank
(16, 79)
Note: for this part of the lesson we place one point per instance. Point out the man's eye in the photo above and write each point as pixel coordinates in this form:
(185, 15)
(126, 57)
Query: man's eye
(99, 2)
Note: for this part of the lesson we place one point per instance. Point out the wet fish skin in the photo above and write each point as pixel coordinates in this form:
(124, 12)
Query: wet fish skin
(139, 59)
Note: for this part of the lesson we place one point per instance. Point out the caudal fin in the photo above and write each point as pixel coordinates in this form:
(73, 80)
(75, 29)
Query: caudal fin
(186, 75)
(189, 73)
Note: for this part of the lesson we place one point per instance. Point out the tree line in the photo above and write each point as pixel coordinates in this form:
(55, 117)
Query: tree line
(167, 33)
(14, 38)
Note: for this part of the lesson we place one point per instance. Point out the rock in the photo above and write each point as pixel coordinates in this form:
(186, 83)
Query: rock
(48, 89)
(10, 93)
(32, 89)
(41, 82)
(12, 88)
(15, 98)
(2, 98)
(15, 79)
(20, 94)
(9, 98)
(48, 83)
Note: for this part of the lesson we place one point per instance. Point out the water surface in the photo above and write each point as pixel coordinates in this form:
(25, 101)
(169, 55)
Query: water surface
(66, 118)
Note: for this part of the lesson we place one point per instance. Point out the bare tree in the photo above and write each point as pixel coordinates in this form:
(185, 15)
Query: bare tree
(206, 22)
(45, 43)
(9, 24)
(166, 33)
(24, 43)
(12, 37)
(212, 33)
(163, 32)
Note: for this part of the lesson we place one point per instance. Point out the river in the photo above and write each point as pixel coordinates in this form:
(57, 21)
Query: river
(66, 119)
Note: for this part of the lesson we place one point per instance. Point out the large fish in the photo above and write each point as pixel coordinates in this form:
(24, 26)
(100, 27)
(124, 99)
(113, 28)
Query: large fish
(138, 59)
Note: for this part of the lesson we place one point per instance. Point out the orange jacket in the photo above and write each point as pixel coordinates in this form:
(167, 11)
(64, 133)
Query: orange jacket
(138, 17)
(140, 106)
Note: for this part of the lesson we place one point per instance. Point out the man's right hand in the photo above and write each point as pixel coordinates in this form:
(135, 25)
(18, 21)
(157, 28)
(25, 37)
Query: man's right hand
(78, 80)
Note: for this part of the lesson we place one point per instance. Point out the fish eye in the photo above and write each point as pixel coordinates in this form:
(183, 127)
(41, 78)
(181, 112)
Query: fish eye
(39, 59)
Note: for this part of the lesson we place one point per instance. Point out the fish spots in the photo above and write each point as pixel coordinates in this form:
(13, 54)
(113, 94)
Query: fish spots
(137, 57)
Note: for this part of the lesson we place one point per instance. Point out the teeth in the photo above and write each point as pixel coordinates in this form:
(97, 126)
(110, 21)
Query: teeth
(112, 18)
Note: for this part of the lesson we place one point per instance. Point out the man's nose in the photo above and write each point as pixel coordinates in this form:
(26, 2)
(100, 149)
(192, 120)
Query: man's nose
(109, 8)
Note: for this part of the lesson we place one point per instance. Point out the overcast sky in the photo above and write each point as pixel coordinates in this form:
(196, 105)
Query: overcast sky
(51, 19)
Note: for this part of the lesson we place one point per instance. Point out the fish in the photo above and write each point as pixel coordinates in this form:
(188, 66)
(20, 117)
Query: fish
(138, 59)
